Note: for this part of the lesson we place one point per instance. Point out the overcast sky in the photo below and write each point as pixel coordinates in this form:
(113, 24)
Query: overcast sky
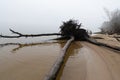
(35, 16)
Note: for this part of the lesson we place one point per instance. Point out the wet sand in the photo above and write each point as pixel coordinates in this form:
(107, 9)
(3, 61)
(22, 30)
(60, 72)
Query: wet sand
(27, 63)
(91, 62)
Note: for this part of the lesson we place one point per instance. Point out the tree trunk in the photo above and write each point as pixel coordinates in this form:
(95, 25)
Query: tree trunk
(56, 67)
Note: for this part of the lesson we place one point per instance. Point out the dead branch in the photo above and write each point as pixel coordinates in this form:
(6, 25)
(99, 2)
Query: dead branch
(15, 32)
(56, 67)
(27, 35)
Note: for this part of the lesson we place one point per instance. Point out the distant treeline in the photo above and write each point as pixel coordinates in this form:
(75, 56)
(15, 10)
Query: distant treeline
(112, 26)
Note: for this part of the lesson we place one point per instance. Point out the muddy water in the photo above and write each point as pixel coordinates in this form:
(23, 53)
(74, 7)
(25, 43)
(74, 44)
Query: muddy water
(90, 62)
(27, 62)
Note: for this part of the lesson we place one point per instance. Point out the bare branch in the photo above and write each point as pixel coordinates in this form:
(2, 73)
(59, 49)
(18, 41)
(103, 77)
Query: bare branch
(27, 35)
(15, 32)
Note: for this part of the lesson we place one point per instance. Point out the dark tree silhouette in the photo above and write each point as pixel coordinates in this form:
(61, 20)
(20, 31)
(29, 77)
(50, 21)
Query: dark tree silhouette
(72, 28)
(67, 29)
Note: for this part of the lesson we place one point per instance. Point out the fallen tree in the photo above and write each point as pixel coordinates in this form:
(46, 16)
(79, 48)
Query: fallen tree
(69, 30)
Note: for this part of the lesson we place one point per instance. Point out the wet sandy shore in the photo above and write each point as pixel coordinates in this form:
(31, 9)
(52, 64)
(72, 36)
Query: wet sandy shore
(91, 62)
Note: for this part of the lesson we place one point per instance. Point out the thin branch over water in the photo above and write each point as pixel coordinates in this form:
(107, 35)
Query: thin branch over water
(26, 35)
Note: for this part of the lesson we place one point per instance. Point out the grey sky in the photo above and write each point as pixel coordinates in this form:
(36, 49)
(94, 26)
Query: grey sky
(38, 15)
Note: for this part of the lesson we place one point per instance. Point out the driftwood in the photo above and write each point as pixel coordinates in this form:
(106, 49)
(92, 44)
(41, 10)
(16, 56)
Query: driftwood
(25, 35)
(56, 67)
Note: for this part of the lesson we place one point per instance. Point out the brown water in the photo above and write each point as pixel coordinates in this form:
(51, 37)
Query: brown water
(27, 62)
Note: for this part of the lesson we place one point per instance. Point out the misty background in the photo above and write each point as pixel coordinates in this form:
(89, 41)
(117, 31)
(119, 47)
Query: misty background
(45, 16)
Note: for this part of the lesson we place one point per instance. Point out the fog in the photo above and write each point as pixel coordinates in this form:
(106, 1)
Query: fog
(113, 24)
(44, 16)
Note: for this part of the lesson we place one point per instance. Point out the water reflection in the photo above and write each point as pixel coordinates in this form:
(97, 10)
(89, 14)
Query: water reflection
(21, 45)
(71, 52)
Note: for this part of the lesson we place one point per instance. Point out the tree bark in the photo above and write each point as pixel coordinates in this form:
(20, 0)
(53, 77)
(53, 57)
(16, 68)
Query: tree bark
(56, 67)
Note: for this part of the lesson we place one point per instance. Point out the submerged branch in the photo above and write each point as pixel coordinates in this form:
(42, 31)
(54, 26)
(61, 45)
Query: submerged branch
(20, 45)
(26, 35)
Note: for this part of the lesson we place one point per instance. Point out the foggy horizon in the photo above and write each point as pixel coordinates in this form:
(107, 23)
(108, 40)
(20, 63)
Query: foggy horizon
(44, 16)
